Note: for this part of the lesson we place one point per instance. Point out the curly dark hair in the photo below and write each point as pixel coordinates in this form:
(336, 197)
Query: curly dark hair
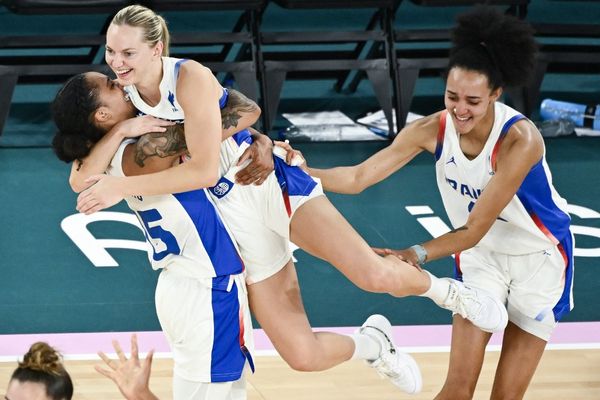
(43, 364)
(499, 46)
(72, 111)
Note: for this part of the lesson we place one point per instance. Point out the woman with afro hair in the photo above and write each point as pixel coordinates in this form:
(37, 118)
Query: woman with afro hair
(511, 233)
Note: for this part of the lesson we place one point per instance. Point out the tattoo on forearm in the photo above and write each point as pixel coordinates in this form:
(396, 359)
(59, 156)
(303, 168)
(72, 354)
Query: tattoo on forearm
(160, 144)
(237, 104)
(462, 228)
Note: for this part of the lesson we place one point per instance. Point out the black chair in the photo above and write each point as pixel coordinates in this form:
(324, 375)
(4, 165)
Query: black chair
(559, 52)
(432, 58)
(315, 64)
(244, 64)
(87, 48)
(50, 68)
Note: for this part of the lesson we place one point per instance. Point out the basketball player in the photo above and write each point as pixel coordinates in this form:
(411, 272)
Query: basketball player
(511, 231)
(276, 299)
(400, 284)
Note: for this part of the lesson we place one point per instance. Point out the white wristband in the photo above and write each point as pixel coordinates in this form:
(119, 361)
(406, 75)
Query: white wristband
(421, 253)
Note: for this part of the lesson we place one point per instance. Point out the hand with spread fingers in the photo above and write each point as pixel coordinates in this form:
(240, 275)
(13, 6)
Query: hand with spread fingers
(131, 376)
(261, 165)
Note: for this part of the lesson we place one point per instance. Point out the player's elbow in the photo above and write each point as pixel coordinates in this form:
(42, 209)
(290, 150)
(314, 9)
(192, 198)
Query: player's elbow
(358, 182)
(201, 174)
(211, 177)
(356, 189)
(77, 185)
(212, 180)
(256, 111)
(476, 230)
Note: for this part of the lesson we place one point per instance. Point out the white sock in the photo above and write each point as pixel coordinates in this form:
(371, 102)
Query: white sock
(438, 291)
(365, 347)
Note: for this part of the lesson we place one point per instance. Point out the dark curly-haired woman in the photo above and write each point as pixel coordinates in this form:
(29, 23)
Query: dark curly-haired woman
(512, 231)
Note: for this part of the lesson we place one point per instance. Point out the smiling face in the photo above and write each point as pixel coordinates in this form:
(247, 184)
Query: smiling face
(128, 55)
(111, 97)
(468, 98)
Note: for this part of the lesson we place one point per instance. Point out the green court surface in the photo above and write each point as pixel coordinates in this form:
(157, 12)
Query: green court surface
(48, 284)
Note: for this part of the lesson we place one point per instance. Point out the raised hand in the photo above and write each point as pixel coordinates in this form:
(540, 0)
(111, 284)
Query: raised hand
(131, 376)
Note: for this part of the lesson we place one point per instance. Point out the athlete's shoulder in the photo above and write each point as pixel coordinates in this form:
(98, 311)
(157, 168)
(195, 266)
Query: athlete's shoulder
(429, 123)
(423, 131)
(523, 141)
(193, 68)
(525, 133)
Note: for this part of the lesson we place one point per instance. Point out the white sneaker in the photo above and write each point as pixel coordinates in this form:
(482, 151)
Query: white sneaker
(398, 367)
(483, 310)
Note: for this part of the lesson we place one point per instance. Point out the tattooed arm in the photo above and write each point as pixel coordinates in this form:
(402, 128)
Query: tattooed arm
(155, 152)
(239, 113)
(163, 145)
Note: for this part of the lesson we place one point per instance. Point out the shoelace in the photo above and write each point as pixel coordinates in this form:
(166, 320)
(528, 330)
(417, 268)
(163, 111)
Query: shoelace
(459, 298)
(470, 312)
(391, 347)
(383, 367)
(385, 371)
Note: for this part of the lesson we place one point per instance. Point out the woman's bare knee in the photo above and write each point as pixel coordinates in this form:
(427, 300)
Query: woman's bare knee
(304, 357)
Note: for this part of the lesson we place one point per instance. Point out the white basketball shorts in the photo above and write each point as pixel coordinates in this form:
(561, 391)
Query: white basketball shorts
(537, 287)
(207, 324)
(258, 216)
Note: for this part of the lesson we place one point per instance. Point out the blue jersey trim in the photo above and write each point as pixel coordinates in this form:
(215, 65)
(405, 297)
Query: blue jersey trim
(224, 98)
(227, 356)
(439, 146)
(243, 136)
(215, 238)
(564, 303)
(507, 125)
(536, 196)
(178, 66)
(293, 180)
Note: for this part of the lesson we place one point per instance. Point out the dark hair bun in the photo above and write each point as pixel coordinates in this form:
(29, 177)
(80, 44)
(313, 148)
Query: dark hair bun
(506, 40)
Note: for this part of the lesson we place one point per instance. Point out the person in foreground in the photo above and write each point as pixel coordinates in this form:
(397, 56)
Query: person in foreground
(40, 376)
(511, 232)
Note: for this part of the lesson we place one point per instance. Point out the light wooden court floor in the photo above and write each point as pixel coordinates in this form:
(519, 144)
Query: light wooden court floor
(562, 375)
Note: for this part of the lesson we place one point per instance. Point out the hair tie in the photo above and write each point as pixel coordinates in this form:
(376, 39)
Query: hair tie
(489, 53)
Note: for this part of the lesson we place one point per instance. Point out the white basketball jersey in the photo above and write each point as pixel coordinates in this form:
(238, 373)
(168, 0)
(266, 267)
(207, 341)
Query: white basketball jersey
(185, 231)
(535, 219)
(168, 108)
